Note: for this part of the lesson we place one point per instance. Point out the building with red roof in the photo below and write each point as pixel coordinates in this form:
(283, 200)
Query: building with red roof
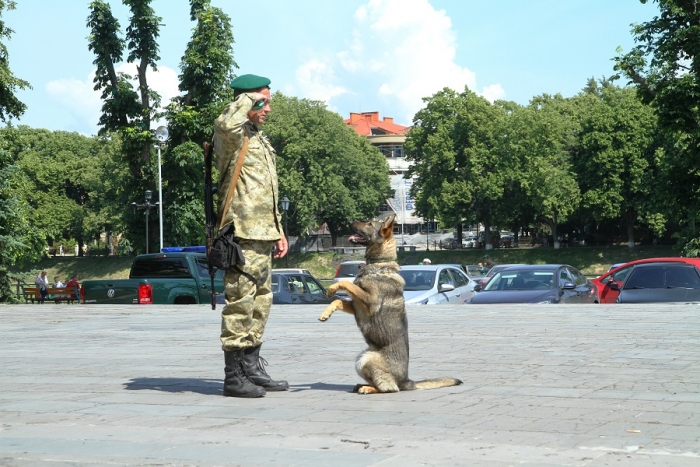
(368, 124)
(389, 138)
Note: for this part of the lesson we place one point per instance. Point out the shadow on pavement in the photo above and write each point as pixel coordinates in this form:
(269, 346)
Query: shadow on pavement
(321, 387)
(200, 386)
(214, 386)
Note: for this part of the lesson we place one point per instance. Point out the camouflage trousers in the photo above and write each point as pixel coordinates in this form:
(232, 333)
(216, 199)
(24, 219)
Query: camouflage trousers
(248, 305)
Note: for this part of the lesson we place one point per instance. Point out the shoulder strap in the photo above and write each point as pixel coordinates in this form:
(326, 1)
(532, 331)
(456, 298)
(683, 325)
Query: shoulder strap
(236, 173)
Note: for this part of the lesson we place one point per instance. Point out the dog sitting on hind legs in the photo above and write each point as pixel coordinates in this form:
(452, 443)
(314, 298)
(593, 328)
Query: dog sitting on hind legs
(380, 313)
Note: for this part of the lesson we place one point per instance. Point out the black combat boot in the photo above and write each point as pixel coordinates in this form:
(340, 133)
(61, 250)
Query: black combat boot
(254, 367)
(237, 383)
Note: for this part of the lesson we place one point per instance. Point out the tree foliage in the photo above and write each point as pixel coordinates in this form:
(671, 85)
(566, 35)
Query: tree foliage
(329, 173)
(539, 140)
(460, 174)
(665, 69)
(10, 106)
(206, 70)
(615, 161)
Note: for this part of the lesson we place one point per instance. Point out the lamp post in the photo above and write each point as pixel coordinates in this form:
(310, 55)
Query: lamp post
(285, 208)
(147, 207)
(162, 137)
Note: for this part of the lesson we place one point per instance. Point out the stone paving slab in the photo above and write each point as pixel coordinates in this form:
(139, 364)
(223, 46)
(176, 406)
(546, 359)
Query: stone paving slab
(543, 386)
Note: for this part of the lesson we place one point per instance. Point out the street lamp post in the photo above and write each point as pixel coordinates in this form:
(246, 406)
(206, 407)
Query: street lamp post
(285, 208)
(147, 207)
(162, 137)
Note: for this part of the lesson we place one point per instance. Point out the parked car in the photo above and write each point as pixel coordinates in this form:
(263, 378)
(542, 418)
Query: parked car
(177, 275)
(470, 241)
(659, 282)
(475, 272)
(507, 241)
(537, 283)
(451, 244)
(608, 293)
(436, 284)
(348, 271)
(297, 286)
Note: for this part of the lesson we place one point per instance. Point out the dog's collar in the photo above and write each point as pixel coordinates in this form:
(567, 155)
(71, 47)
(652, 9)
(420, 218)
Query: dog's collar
(380, 259)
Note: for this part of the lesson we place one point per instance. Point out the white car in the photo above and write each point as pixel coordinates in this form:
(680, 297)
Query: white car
(436, 284)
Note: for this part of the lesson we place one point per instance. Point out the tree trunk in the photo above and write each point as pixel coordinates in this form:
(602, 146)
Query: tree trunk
(555, 237)
(487, 236)
(631, 217)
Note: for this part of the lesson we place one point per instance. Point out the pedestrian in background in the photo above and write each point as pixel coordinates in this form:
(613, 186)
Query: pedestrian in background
(257, 223)
(42, 283)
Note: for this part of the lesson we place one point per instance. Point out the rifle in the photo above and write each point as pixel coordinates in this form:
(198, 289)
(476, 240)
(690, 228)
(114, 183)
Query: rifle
(209, 190)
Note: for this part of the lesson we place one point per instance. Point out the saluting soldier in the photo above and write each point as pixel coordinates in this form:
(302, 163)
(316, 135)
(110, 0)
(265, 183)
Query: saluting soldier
(256, 218)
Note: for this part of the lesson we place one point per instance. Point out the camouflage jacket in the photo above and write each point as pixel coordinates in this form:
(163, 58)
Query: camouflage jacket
(253, 208)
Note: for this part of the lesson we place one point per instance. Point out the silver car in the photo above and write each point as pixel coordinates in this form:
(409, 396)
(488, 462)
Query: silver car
(436, 284)
(348, 271)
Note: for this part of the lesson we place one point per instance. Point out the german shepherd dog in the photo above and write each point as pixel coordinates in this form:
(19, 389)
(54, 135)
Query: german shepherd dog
(380, 312)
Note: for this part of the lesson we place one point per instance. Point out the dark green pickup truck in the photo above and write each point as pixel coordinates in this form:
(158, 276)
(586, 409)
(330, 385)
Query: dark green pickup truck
(176, 276)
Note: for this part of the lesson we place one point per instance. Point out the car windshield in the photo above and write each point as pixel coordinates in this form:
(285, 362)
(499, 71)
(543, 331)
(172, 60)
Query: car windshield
(349, 270)
(475, 270)
(521, 280)
(418, 280)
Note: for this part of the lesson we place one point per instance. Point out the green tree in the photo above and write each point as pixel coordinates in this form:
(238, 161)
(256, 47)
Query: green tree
(665, 69)
(539, 141)
(19, 240)
(330, 174)
(126, 110)
(10, 106)
(15, 241)
(65, 177)
(206, 70)
(615, 163)
(459, 171)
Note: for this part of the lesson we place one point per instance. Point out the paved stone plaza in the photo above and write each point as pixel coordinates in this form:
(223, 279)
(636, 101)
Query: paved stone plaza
(543, 385)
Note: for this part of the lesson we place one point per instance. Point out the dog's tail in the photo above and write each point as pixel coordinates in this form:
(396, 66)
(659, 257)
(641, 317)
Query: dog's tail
(437, 383)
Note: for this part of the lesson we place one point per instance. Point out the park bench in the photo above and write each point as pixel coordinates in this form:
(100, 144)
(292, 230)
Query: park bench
(56, 294)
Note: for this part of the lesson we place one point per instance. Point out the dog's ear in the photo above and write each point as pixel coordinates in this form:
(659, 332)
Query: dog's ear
(388, 226)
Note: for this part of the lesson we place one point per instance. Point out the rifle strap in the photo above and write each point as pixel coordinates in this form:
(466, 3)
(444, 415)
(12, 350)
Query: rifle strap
(250, 277)
(236, 173)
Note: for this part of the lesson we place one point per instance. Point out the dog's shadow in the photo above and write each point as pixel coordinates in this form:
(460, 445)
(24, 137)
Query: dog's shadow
(214, 386)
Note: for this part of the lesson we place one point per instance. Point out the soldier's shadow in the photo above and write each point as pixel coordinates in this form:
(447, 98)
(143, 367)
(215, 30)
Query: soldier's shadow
(196, 385)
(214, 386)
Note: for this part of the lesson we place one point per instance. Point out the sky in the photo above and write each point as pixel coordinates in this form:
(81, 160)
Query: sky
(355, 55)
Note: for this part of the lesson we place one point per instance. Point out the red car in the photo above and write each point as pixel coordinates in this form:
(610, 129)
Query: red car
(618, 275)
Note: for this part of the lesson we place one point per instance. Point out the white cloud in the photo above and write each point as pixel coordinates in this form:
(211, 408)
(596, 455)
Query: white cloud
(78, 97)
(493, 93)
(85, 104)
(315, 80)
(401, 51)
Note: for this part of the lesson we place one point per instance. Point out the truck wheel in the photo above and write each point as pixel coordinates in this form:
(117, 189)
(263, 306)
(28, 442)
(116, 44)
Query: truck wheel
(184, 301)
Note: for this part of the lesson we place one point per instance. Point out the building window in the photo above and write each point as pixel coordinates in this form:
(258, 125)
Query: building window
(391, 150)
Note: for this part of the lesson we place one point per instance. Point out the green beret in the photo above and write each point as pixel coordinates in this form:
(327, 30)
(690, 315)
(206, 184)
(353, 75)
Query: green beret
(249, 82)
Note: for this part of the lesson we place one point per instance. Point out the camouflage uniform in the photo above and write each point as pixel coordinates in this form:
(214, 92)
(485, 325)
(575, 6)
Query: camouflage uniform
(257, 221)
